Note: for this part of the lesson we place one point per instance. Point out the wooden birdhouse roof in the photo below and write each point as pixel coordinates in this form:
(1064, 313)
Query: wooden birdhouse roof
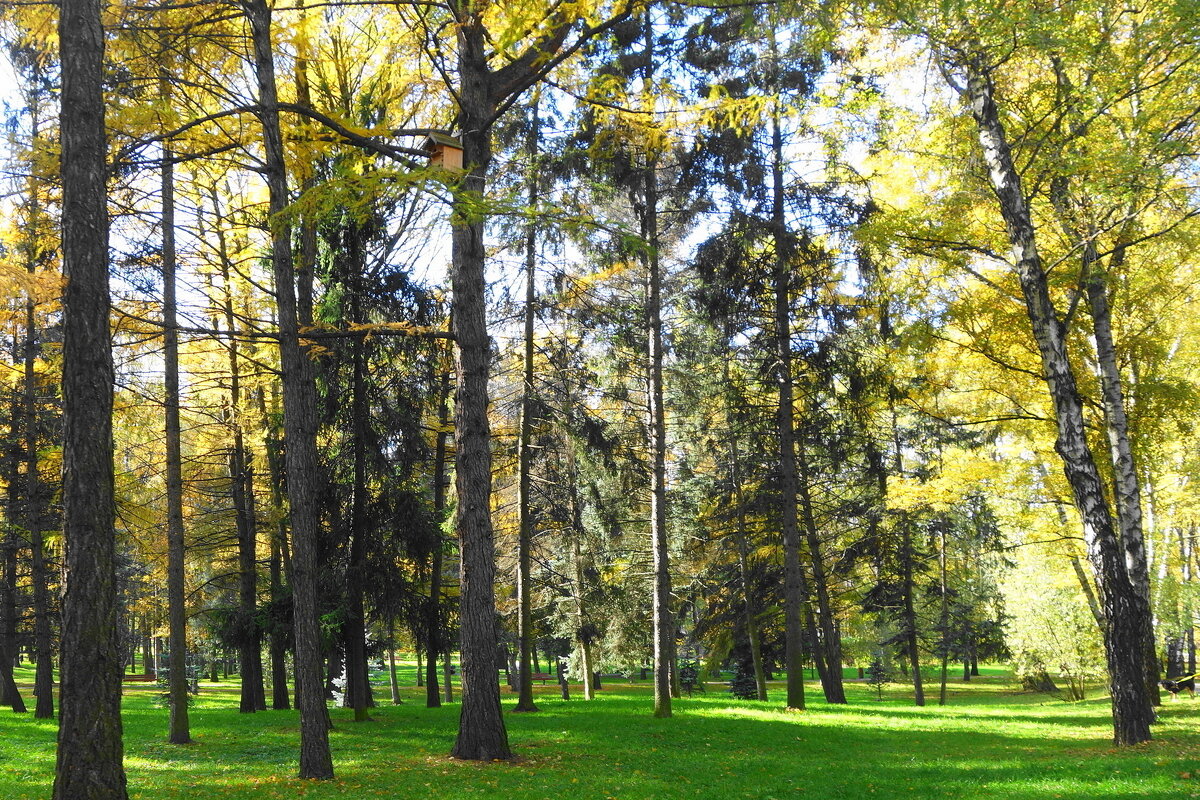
(437, 140)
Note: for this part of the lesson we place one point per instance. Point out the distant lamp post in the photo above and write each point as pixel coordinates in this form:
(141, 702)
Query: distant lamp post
(444, 151)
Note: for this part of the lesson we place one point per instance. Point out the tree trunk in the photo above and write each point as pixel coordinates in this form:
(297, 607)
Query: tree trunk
(307, 261)
(299, 419)
(1127, 487)
(525, 436)
(434, 642)
(89, 760)
(481, 732)
(354, 629)
(1088, 592)
(8, 684)
(43, 647)
(179, 731)
(248, 650)
(830, 644)
(280, 700)
(793, 583)
(1127, 493)
(35, 503)
(1186, 544)
(583, 630)
(664, 627)
(814, 649)
(1080, 574)
(564, 688)
(760, 680)
(276, 647)
(333, 671)
(943, 614)
(752, 633)
(147, 652)
(908, 614)
(256, 659)
(1125, 609)
(393, 680)
(251, 697)
(9, 695)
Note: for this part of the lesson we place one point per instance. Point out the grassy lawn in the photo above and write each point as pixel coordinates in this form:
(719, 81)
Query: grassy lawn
(988, 742)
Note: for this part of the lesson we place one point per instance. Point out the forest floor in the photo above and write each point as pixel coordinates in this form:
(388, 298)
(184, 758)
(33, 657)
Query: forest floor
(990, 741)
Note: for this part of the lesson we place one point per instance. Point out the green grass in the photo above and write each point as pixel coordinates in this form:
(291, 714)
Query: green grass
(989, 742)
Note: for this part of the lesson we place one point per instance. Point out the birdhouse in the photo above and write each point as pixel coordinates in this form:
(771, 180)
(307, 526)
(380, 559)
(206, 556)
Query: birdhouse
(444, 151)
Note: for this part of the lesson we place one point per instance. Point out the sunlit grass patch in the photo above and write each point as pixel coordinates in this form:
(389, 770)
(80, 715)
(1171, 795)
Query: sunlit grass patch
(989, 742)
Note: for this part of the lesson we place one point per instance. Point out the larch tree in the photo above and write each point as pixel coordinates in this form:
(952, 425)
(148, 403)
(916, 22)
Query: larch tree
(299, 415)
(525, 515)
(179, 728)
(90, 748)
(37, 254)
(484, 92)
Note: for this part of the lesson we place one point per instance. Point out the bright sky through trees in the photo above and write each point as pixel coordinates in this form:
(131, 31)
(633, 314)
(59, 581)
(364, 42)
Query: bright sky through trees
(786, 339)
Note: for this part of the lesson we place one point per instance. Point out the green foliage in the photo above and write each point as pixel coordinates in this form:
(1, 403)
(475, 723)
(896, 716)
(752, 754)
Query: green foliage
(195, 670)
(233, 627)
(689, 675)
(1051, 630)
(878, 675)
(742, 685)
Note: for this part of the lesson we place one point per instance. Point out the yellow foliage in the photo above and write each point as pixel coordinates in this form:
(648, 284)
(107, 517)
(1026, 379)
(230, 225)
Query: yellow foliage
(962, 474)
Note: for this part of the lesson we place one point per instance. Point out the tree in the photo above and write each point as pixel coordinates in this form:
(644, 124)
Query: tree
(878, 675)
(524, 443)
(1125, 608)
(180, 732)
(484, 92)
(36, 252)
(89, 762)
(299, 418)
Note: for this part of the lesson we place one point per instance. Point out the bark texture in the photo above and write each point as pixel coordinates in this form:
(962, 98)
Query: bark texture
(664, 628)
(35, 500)
(829, 640)
(793, 581)
(525, 444)
(90, 751)
(179, 731)
(299, 421)
(481, 732)
(1124, 608)
(435, 643)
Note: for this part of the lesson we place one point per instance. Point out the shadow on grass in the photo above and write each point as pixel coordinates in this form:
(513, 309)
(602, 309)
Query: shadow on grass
(612, 748)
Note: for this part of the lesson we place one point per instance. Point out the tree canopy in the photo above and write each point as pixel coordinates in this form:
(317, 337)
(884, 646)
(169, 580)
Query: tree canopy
(592, 337)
